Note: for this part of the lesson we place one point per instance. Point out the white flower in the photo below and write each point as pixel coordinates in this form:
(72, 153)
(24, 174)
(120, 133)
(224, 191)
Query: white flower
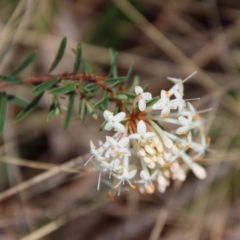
(96, 152)
(142, 135)
(114, 121)
(181, 104)
(142, 97)
(126, 176)
(147, 180)
(113, 166)
(187, 123)
(165, 104)
(118, 148)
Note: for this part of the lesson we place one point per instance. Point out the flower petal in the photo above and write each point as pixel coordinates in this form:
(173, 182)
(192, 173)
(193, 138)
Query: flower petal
(141, 127)
(107, 114)
(198, 170)
(138, 90)
(182, 130)
(111, 141)
(183, 120)
(120, 116)
(149, 135)
(119, 127)
(142, 105)
(147, 96)
(108, 126)
(134, 136)
(123, 142)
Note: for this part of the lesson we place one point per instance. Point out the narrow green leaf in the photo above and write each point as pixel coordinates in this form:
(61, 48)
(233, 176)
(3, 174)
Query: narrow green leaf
(91, 111)
(69, 110)
(122, 96)
(105, 104)
(152, 101)
(3, 111)
(128, 95)
(10, 79)
(113, 61)
(64, 89)
(44, 86)
(25, 63)
(101, 102)
(84, 112)
(53, 110)
(86, 66)
(135, 83)
(29, 107)
(145, 87)
(78, 58)
(102, 126)
(17, 101)
(113, 80)
(79, 107)
(91, 87)
(129, 73)
(60, 53)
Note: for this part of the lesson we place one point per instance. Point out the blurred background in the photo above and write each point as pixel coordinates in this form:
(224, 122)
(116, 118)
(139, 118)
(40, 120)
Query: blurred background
(45, 191)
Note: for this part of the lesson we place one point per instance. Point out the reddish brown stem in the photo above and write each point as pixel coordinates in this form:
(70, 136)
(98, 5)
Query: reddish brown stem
(71, 77)
(64, 76)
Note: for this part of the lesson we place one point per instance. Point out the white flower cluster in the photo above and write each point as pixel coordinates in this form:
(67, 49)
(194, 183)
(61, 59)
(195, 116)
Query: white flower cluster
(142, 152)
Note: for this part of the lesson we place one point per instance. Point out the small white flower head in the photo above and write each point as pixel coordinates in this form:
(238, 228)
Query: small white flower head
(142, 135)
(165, 104)
(113, 122)
(118, 149)
(158, 148)
(142, 98)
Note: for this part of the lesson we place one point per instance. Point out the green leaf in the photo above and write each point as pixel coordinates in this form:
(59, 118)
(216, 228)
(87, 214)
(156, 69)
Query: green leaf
(152, 101)
(10, 79)
(25, 63)
(69, 110)
(84, 111)
(53, 110)
(128, 95)
(44, 86)
(64, 89)
(86, 66)
(113, 61)
(3, 111)
(113, 80)
(129, 73)
(91, 87)
(60, 53)
(122, 96)
(17, 101)
(135, 83)
(78, 58)
(101, 103)
(102, 126)
(145, 87)
(29, 107)
(91, 111)
(79, 107)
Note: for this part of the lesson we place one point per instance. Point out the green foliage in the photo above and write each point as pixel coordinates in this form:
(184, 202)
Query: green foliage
(78, 58)
(69, 110)
(3, 111)
(92, 92)
(64, 89)
(10, 79)
(25, 63)
(59, 55)
(29, 107)
(44, 86)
